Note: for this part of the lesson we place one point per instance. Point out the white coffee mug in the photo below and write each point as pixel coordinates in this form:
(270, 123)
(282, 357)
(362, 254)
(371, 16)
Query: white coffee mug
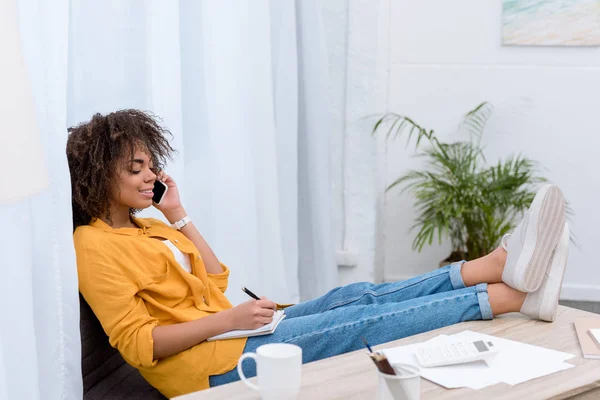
(278, 368)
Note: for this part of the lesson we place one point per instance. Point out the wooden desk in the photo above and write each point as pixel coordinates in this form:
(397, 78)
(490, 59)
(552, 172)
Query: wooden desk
(353, 376)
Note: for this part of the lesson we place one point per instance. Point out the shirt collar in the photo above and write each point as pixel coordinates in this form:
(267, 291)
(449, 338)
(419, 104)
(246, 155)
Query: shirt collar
(142, 227)
(142, 223)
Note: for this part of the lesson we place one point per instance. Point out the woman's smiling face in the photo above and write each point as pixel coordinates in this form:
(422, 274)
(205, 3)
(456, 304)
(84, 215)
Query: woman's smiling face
(134, 182)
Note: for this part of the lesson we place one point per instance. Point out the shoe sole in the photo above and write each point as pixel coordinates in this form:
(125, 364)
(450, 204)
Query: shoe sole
(550, 225)
(546, 222)
(556, 273)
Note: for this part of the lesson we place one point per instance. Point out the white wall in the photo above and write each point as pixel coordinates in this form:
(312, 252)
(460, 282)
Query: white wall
(445, 58)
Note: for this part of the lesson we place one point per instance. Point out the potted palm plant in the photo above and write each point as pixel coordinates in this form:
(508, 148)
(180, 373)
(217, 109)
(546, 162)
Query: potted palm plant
(457, 195)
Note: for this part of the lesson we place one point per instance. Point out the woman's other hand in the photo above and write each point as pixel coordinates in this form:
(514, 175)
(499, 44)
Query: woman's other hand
(252, 314)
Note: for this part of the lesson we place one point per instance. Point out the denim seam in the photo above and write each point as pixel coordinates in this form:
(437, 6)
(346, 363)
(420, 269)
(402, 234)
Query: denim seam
(352, 300)
(360, 321)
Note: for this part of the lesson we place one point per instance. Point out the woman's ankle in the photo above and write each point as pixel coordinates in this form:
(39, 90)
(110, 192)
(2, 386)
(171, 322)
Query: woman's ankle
(487, 269)
(504, 299)
(499, 255)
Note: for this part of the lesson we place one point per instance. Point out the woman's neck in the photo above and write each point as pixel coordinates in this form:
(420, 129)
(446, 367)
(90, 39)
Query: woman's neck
(119, 218)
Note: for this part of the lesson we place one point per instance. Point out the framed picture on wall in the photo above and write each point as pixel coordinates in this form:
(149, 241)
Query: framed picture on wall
(551, 22)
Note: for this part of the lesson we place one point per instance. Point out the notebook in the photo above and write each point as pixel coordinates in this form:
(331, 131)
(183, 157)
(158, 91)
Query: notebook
(589, 347)
(263, 330)
(595, 334)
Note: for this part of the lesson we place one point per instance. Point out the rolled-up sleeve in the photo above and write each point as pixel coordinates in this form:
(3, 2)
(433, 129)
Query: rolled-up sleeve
(112, 296)
(220, 279)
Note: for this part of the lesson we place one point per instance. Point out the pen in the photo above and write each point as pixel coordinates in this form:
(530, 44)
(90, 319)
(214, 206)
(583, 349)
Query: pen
(249, 293)
(366, 344)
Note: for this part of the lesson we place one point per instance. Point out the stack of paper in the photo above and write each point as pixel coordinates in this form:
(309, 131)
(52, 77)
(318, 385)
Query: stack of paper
(515, 362)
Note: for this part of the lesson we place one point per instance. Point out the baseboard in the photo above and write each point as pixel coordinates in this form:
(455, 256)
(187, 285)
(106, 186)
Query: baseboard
(576, 292)
(570, 291)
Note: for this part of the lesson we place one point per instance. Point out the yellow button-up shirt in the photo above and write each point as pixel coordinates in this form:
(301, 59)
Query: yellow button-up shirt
(133, 283)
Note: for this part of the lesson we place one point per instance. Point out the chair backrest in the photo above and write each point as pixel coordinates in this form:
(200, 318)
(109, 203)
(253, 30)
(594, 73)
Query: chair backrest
(106, 375)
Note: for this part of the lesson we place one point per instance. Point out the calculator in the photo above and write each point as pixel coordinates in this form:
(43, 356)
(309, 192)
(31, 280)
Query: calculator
(455, 353)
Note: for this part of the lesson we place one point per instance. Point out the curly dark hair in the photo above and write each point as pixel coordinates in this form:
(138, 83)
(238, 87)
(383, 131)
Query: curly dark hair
(95, 148)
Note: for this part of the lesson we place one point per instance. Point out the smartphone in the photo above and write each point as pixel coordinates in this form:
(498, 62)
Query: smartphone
(160, 189)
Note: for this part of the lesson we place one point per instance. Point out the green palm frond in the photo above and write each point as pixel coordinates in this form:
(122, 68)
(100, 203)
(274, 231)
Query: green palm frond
(396, 124)
(458, 196)
(476, 120)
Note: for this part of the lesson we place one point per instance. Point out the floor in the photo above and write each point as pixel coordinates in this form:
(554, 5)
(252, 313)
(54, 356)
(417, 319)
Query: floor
(590, 306)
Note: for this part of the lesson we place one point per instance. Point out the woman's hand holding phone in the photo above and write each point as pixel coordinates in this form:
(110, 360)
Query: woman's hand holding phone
(170, 204)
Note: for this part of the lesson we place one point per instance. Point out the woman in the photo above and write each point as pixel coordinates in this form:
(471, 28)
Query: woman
(158, 291)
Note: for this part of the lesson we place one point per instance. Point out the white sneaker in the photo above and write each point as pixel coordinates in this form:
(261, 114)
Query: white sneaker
(543, 303)
(531, 244)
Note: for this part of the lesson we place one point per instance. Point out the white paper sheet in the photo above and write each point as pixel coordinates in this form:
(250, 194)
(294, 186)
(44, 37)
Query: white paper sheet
(515, 363)
(473, 375)
(518, 362)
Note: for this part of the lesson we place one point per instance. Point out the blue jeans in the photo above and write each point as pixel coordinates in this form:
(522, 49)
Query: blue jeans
(334, 323)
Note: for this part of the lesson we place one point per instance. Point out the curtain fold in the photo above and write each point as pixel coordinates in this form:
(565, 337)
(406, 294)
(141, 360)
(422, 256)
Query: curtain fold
(284, 64)
(241, 86)
(317, 268)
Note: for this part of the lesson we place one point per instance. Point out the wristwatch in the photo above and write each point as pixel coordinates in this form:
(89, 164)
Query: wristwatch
(181, 223)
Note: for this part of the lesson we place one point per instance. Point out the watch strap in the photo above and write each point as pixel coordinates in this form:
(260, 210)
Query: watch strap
(181, 223)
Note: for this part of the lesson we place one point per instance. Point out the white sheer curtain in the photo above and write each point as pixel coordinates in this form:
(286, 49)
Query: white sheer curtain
(39, 331)
(241, 85)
